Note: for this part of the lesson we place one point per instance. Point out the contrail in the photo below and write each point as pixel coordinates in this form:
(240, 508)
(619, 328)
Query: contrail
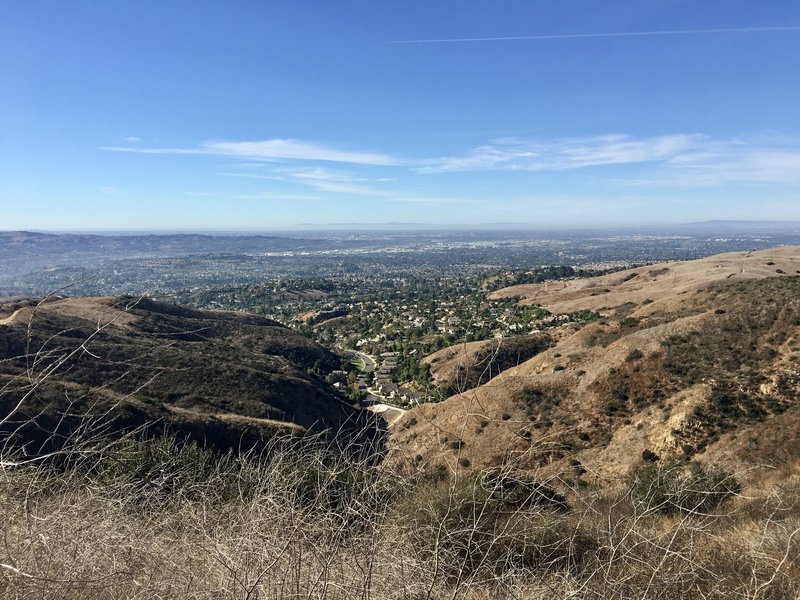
(569, 36)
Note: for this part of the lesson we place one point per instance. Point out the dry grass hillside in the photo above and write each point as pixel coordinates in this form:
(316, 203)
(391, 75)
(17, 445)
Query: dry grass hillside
(635, 287)
(692, 359)
(467, 365)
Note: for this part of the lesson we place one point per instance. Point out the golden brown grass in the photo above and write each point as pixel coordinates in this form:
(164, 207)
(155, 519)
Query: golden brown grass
(162, 519)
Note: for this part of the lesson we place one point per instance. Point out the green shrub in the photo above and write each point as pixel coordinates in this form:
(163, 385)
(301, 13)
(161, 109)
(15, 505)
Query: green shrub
(584, 315)
(515, 490)
(678, 487)
(649, 456)
(488, 525)
(163, 466)
(634, 355)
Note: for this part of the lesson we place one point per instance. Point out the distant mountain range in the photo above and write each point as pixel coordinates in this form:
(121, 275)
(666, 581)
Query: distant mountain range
(303, 228)
(712, 225)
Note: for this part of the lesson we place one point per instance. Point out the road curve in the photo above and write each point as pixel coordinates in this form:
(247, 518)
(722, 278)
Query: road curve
(369, 362)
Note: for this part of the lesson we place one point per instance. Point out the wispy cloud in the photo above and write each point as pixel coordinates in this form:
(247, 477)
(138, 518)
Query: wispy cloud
(564, 154)
(280, 197)
(335, 181)
(272, 150)
(620, 34)
(255, 176)
(431, 200)
(732, 165)
(677, 160)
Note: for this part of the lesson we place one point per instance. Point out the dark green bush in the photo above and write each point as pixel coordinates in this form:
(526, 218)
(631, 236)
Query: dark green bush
(649, 456)
(515, 490)
(163, 465)
(634, 355)
(490, 524)
(679, 487)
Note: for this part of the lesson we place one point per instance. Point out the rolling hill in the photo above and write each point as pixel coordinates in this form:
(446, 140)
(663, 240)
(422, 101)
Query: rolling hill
(82, 366)
(693, 358)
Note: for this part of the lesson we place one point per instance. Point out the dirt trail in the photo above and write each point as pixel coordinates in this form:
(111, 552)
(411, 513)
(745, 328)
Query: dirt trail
(392, 414)
(10, 319)
(234, 418)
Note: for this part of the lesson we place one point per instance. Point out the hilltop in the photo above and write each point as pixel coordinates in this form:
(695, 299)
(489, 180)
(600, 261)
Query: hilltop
(635, 287)
(222, 378)
(690, 358)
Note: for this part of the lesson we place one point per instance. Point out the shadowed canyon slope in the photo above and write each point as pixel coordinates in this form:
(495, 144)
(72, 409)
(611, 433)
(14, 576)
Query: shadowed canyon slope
(698, 358)
(227, 379)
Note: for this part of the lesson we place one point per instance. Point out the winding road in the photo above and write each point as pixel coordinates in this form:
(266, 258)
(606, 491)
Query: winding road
(391, 413)
(369, 362)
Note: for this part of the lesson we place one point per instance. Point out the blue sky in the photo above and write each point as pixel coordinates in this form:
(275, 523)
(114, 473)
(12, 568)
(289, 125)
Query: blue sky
(243, 115)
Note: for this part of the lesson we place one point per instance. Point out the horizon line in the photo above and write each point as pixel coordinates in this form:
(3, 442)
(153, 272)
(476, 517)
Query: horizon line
(397, 226)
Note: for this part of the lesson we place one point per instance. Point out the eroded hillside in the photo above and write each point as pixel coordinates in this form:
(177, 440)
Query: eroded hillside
(467, 365)
(689, 358)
